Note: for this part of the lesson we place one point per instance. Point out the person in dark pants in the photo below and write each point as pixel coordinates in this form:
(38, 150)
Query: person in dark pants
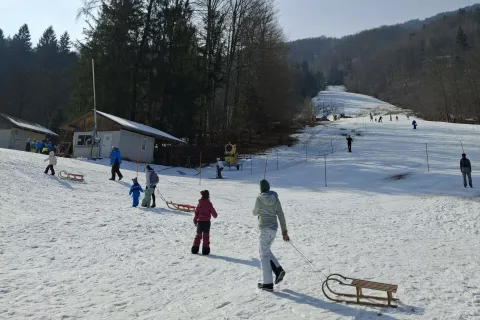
(414, 124)
(115, 161)
(203, 213)
(349, 143)
(466, 169)
(27, 145)
(52, 161)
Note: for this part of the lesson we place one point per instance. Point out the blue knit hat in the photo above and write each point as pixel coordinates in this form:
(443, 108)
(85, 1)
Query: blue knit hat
(264, 186)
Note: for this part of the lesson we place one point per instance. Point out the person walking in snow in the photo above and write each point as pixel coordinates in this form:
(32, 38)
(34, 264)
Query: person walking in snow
(371, 117)
(115, 162)
(390, 117)
(27, 145)
(220, 167)
(268, 209)
(134, 192)
(414, 124)
(349, 143)
(396, 118)
(466, 169)
(203, 214)
(380, 119)
(52, 161)
(152, 180)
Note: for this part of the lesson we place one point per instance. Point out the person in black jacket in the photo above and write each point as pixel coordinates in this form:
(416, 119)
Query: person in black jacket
(349, 143)
(466, 169)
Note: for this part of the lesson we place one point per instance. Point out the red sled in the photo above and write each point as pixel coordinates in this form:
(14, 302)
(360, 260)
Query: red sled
(180, 207)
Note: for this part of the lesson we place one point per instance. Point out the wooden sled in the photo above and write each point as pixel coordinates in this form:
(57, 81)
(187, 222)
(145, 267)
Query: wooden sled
(70, 176)
(359, 296)
(180, 207)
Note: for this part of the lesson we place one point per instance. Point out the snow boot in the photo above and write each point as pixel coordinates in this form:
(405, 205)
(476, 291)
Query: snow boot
(195, 249)
(153, 206)
(205, 251)
(112, 179)
(266, 286)
(279, 275)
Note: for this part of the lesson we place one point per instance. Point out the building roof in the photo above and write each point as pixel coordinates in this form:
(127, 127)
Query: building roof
(140, 128)
(27, 125)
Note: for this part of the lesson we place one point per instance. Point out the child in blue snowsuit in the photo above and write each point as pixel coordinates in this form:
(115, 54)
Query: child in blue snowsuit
(135, 191)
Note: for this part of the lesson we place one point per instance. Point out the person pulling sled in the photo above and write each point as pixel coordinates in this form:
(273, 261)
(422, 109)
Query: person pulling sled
(152, 180)
(268, 209)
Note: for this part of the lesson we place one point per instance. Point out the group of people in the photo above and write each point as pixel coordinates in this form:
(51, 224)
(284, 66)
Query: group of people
(268, 210)
(380, 119)
(43, 147)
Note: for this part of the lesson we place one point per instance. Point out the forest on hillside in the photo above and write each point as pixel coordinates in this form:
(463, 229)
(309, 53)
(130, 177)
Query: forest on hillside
(210, 71)
(432, 68)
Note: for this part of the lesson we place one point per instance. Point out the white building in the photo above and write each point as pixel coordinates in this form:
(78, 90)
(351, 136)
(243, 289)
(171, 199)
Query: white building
(15, 132)
(136, 141)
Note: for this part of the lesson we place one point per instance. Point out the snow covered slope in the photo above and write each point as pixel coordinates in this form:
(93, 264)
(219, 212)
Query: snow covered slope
(79, 251)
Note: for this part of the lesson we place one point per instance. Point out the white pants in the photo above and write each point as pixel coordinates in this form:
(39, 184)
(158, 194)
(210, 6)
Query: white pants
(267, 236)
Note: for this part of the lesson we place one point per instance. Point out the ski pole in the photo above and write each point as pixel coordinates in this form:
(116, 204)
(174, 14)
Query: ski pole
(462, 146)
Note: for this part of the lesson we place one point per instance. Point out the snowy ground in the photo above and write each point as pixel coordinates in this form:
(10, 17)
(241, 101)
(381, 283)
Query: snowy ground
(79, 251)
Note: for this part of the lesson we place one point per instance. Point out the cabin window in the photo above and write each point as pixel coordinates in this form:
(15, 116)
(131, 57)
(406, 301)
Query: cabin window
(144, 144)
(84, 140)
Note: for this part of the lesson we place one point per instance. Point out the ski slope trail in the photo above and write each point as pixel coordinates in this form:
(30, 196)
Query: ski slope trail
(80, 251)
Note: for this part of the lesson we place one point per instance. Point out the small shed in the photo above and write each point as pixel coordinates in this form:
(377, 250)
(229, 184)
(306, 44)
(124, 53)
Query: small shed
(135, 140)
(15, 132)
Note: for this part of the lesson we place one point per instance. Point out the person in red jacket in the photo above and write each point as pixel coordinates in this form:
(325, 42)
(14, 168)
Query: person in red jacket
(203, 214)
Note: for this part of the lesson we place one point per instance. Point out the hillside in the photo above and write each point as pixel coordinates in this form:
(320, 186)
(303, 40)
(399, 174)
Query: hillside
(433, 69)
(80, 251)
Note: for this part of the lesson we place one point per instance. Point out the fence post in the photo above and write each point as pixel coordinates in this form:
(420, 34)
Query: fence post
(251, 164)
(325, 157)
(200, 183)
(277, 159)
(426, 150)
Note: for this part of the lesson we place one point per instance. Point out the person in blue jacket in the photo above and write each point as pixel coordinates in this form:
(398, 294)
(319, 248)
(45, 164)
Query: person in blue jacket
(135, 191)
(115, 161)
(50, 146)
(39, 146)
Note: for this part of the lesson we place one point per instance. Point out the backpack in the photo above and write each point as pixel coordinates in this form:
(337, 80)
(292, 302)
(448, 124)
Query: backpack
(154, 178)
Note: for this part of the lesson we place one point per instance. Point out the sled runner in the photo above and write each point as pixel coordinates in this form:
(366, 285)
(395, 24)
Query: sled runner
(180, 207)
(70, 176)
(359, 296)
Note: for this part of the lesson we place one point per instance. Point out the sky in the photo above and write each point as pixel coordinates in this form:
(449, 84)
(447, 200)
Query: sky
(299, 18)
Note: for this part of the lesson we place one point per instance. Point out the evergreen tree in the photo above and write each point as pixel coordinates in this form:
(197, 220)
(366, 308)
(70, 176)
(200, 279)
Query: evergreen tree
(462, 41)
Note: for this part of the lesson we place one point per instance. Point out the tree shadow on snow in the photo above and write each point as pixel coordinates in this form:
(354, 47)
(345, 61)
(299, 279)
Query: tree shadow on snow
(338, 308)
(253, 263)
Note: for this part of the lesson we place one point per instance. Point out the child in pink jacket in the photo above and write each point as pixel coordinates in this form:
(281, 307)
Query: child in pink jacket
(203, 214)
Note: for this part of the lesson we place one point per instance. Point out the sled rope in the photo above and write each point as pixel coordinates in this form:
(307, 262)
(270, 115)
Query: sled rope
(309, 263)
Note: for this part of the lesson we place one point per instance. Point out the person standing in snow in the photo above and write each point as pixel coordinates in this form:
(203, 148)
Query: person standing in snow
(396, 118)
(268, 209)
(115, 162)
(38, 146)
(414, 124)
(27, 145)
(220, 167)
(349, 143)
(135, 191)
(466, 169)
(203, 214)
(390, 117)
(152, 180)
(52, 161)
(371, 117)
(380, 119)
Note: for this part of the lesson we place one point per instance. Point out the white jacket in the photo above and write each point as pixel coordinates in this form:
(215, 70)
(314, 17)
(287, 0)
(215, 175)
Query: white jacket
(220, 164)
(52, 160)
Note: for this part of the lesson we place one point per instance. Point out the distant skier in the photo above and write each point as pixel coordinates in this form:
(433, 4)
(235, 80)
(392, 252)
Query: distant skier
(349, 143)
(220, 167)
(414, 124)
(135, 191)
(203, 214)
(27, 145)
(268, 209)
(466, 169)
(371, 117)
(380, 119)
(152, 180)
(115, 162)
(396, 117)
(52, 161)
